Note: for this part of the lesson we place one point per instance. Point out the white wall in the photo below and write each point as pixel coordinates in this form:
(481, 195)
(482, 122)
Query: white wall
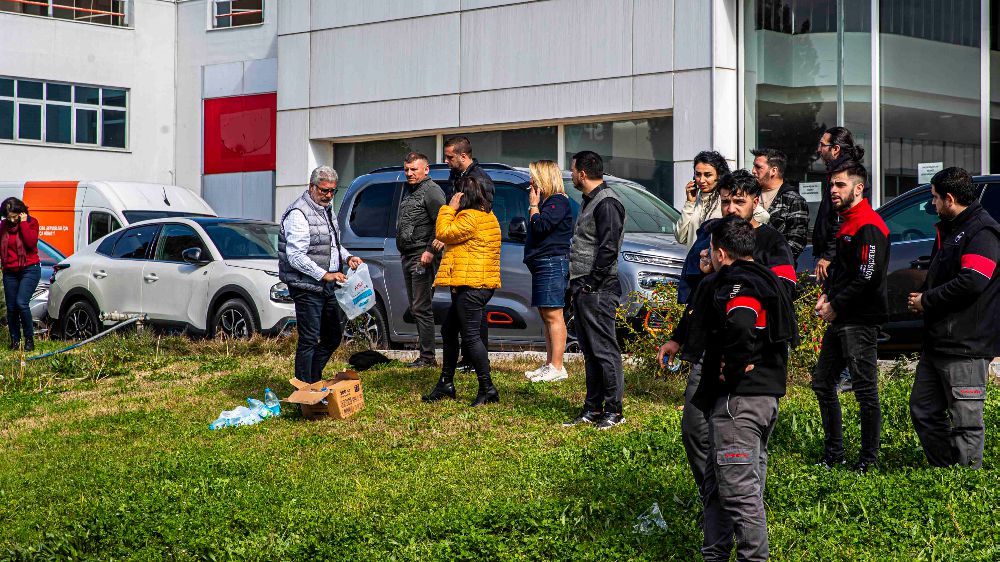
(139, 59)
(238, 63)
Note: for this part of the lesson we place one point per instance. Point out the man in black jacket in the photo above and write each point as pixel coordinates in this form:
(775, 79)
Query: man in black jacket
(961, 307)
(789, 210)
(836, 147)
(418, 211)
(458, 156)
(747, 323)
(854, 303)
(739, 196)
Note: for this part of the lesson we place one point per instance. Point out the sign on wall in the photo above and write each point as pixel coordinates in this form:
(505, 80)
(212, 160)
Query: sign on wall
(811, 191)
(926, 171)
(240, 134)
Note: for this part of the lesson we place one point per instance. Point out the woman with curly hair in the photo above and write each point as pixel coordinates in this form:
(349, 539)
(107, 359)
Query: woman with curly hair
(21, 269)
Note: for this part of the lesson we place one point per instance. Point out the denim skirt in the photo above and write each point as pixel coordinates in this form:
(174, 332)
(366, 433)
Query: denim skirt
(549, 279)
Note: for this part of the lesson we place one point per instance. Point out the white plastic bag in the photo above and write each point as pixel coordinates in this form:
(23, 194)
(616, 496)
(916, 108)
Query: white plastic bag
(356, 296)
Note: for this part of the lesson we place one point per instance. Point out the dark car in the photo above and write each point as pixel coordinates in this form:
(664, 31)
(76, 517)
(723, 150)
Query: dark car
(911, 219)
(367, 216)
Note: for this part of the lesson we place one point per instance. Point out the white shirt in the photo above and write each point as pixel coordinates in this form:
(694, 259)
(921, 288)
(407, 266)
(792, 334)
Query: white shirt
(297, 245)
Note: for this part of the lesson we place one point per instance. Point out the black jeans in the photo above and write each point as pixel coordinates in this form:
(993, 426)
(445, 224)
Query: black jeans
(853, 346)
(319, 321)
(466, 318)
(946, 406)
(595, 331)
(419, 281)
(18, 286)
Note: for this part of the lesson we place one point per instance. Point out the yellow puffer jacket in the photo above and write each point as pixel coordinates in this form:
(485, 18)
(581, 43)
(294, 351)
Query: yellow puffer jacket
(471, 249)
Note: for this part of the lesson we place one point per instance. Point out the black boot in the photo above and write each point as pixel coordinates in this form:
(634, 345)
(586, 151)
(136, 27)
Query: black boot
(445, 388)
(29, 344)
(15, 345)
(487, 392)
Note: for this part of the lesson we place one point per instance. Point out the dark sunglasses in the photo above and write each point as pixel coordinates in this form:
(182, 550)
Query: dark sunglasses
(328, 191)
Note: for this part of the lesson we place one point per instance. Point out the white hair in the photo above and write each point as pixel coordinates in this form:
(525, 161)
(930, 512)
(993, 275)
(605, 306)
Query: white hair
(323, 173)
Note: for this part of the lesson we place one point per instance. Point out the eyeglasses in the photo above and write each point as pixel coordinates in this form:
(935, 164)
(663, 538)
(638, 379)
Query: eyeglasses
(827, 145)
(328, 191)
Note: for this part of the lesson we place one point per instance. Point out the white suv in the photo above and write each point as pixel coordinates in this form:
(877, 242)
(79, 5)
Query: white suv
(202, 275)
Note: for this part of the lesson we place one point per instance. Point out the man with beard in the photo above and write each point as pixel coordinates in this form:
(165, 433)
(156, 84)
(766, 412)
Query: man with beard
(836, 147)
(746, 322)
(854, 303)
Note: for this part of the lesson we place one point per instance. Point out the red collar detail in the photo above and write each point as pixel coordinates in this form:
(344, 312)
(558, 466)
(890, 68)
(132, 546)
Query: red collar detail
(858, 216)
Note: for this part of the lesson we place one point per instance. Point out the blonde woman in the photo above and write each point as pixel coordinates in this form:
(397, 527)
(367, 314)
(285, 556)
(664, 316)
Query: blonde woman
(546, 253)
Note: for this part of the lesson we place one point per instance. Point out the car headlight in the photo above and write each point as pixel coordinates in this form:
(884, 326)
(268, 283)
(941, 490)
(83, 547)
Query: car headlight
(279, 293)
(649, 259)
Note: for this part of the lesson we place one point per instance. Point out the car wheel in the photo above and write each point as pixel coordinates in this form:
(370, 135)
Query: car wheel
(233, 319)
(80, 321)
(368, 329)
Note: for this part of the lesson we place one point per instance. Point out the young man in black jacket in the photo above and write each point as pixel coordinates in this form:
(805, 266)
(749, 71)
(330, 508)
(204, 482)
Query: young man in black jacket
(739, 195)
(746, 322)
(836, 147)
(854, 303)
(961, 307)
(458, 157)
(418, 211)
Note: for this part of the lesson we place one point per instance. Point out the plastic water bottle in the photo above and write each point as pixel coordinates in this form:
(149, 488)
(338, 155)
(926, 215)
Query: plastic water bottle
(272, 402)
(259, 409)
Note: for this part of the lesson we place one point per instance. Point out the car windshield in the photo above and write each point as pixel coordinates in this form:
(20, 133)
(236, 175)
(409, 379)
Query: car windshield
(644, 212)
(244, 240)
(136, 216)
(47, 255)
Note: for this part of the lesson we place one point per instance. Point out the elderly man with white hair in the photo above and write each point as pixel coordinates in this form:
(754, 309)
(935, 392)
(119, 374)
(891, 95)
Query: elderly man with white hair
(311, 262)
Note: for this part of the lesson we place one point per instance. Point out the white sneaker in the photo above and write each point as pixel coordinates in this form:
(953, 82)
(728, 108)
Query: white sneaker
(553, 375)
(534, 375)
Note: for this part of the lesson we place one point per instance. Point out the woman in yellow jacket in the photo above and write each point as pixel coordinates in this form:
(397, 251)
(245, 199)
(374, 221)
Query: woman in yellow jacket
(471, 269)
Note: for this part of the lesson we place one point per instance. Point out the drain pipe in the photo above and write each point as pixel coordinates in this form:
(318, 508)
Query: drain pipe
(129, 319)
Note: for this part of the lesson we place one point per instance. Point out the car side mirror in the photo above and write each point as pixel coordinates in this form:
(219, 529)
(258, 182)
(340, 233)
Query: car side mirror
(518, 229)
(193, 256)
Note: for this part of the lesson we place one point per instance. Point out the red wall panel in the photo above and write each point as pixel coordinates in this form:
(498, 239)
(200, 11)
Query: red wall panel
(240, 134)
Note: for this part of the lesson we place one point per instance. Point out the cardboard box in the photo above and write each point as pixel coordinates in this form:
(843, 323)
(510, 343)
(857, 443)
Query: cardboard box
(343, 397)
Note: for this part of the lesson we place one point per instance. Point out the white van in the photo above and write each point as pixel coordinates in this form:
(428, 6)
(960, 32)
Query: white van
(72, 214)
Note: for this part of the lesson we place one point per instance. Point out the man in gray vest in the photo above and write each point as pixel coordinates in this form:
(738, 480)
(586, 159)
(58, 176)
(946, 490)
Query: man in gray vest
(311, 262)
(593, 282)
(420, 252)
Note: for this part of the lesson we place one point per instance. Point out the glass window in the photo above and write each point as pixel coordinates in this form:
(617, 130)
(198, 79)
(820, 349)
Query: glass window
(933, 116)
(174, 239)
(991, 200)
(58, 92)
(135, 242)
(244, 240)
(29, 89)
(640, 150)
(113, 128)
(48, 255)
(7, 87)
(644, 212)
(114, 97)
(235, 13)
(106, 12)
(913, 219)
(515, 147)
(87, 94)
(29, 121)
(371, 210)
(58, 123)
(509, 202)
(6, 119)
(358, 158)
(86, 126)
(107, 246)
(101, 224)
(138, 216)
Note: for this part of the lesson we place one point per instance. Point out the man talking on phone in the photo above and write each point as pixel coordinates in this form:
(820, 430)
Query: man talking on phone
(311, 262)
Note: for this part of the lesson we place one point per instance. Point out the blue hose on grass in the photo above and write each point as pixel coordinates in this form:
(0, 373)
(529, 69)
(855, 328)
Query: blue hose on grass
(88, 340)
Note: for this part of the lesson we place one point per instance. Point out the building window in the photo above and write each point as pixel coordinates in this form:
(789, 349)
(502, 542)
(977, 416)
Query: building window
(63, 114)
(103, 12)
(236, 13)
(515, 147)
(354, 159)
(640, 150)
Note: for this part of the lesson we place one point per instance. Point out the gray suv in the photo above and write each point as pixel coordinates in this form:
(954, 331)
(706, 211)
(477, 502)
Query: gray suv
(367, 216)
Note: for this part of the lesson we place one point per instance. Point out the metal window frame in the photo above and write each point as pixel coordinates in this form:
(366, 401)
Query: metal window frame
(214, 16)
(51, 6)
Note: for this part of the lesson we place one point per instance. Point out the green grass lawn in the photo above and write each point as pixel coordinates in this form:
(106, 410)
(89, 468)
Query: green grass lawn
(105, 454)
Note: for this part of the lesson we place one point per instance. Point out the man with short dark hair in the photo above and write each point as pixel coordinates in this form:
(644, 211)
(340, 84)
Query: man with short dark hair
(789, 210)
(311, 262)
(854, 302)
(593, 278)
(960, 302)
(418, 211)
(746, 318)
(458, 156)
